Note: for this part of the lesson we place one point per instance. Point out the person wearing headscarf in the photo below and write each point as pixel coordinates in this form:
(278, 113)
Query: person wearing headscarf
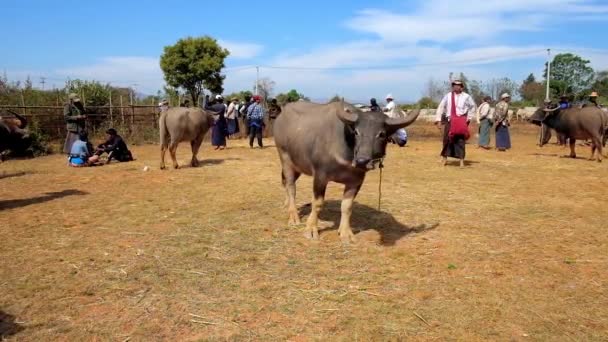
(220, 127)
(484, 120)
(75, 118)
(503, 121)
(454, 110)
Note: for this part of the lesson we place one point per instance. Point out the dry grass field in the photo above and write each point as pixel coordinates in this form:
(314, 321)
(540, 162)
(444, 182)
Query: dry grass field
(513, 247)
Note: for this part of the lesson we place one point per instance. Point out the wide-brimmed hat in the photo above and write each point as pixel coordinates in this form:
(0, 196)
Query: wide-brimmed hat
(74, 97)
(457, 82)
(594, 94)
(389, 97)
(504, 96)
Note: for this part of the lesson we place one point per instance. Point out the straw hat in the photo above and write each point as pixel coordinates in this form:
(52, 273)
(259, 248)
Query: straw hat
(594, 94)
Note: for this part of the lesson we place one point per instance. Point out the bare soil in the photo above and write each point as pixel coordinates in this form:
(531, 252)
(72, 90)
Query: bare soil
(512, 247)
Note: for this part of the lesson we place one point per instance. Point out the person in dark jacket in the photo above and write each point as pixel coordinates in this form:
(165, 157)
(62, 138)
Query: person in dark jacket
(374, 105)
(115, 147)
(75, 118)
(220, 126)
(255, 118)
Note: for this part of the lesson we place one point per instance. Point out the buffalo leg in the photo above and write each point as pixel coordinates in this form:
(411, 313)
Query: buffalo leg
(596, 144)
(173, 151)
(289, 181)
(319, 187)
(572, 146)
(163, 150)
(196, 145)
(345, 230)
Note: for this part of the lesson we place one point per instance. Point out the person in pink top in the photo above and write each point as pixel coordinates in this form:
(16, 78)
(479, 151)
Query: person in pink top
(455, 110)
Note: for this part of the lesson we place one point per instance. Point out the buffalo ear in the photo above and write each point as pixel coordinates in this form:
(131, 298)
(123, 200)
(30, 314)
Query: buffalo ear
(393, 124)
(347, 116)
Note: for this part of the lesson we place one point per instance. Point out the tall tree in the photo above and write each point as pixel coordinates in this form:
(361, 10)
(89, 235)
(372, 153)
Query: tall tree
(265, 88)
(194, 64)
(570, 74)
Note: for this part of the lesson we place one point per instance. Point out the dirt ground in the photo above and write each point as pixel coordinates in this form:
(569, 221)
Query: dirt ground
(513, 247)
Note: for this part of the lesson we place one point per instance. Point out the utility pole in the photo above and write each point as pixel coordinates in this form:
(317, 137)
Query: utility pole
(42, 81)
(257, 79)
(547, 98)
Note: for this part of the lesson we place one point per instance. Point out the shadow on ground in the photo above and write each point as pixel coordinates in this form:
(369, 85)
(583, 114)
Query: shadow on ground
(14, 174)
(49, 196)
(366, 218)
(8, 326)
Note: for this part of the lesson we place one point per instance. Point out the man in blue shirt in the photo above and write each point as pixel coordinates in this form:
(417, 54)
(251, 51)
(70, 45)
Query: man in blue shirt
(255, 117)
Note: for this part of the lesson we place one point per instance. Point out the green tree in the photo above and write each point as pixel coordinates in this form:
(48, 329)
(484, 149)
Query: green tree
(601, 83)
(570, 74)
(427, 102)
(194, 64)
(291, 96)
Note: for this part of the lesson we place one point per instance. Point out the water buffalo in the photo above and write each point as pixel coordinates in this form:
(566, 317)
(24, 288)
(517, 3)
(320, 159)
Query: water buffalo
(183, 124)
(332, 142)
(14, 135)
(576, 123)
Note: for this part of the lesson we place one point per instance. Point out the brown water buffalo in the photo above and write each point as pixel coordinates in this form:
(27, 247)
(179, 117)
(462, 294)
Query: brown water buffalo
(332, 142)
(14, 135)
(183, 124)
(576, 124)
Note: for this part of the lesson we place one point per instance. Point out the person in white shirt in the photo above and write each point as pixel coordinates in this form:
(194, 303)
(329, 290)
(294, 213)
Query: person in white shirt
(484, 119)
(455, 108)
(231, 117)
(391, 110)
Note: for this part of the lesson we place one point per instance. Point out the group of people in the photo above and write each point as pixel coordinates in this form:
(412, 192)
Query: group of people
(229, 117)
(79, 150)
(455, 112)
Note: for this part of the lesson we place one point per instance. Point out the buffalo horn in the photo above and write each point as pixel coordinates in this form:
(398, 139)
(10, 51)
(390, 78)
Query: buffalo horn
(396, 123)
(22, 119)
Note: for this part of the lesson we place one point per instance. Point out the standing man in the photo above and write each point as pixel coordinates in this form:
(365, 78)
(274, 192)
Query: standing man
(503, 121)
(391, 110)
(455, 107)
(255, 119)
(484, 120)
(75, 118)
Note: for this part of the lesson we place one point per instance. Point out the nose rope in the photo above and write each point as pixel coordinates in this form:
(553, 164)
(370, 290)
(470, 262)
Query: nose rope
(380, 166)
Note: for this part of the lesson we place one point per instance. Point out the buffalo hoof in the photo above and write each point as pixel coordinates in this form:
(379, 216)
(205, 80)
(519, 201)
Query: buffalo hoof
(163, 167)
(294, 220)
(347, 237)
(176, 166)
(573, 156)
(194, 163)
(311, 235)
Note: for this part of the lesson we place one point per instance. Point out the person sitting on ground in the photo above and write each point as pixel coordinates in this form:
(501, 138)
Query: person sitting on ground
(80, 153)
(115, 147)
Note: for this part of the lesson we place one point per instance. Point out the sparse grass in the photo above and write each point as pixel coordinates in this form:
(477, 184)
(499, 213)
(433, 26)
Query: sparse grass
(205, 253)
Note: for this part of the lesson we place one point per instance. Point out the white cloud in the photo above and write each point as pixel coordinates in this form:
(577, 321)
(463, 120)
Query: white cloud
(240, 50)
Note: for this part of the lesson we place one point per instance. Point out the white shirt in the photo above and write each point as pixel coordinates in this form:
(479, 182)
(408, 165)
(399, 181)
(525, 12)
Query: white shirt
(231, 111)
(391, 110)
(465, 105)
(484, 112)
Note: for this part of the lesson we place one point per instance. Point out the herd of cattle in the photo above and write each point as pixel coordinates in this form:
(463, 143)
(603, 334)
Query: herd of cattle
(330, 142)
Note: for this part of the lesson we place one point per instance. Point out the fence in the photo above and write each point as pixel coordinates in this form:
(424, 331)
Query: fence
(49, 119)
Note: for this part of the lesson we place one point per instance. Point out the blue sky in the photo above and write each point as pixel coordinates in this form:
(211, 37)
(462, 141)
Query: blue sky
(388, 46)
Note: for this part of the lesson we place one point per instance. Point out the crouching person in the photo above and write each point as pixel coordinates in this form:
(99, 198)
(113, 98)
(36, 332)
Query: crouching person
(115, 147)
(80, 153)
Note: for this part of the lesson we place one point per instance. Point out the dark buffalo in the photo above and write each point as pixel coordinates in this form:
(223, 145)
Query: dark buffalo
(14, 135)
(576, 124)
(332, 142)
